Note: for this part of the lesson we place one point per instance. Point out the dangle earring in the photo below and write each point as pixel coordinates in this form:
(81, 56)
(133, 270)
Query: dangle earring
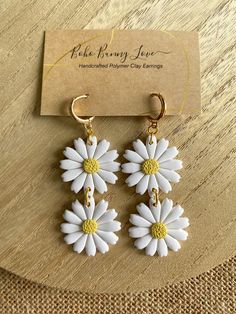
(89, 165)
(152, 168)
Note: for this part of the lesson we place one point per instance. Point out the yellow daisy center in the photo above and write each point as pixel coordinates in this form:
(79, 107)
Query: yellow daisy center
(158, 230)
(91, 165)
(150, 166)
(89, 226)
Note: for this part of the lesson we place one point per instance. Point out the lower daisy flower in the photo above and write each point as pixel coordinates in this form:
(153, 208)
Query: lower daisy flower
(158, 228)
(90, 227)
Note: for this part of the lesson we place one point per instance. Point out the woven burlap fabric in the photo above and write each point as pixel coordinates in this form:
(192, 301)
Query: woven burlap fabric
(211, 292)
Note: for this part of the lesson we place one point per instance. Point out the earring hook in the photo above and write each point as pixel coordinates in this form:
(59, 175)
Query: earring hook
(163, 106)
(152, 129)
(87, 123)
(74, 115)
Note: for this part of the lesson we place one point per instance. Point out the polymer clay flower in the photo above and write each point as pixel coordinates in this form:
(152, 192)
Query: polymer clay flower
(90, 227)
(152, 166)
(90, 165)
(158, 228)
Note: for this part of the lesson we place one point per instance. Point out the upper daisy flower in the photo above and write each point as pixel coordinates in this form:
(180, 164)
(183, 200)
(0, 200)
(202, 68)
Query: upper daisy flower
(158, 227)
(90, 227)
(152, 166)
(90, 165)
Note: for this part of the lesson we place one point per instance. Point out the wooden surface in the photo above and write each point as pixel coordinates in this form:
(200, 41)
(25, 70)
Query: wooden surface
(33, 197)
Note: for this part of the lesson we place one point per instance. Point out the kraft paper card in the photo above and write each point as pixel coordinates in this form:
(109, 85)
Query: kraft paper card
(119, 69)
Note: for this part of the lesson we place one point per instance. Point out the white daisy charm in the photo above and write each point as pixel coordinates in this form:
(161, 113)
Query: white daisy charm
(90, 228)
(152, 166)
(158, 228)
(90, 165)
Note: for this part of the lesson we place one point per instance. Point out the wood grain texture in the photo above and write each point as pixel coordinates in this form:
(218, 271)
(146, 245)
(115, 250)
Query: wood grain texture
(33, 197)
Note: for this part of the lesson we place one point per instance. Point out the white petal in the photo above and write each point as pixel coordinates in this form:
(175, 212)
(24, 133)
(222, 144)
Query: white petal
(102, 147)
(142, 186)
(70, 175)
(72, 154)
(145, 212)
(139, 221)
(175, 213)
(142, 242)
(134, 178)
(100, 244)
(164, 184)
(130, 167)
(161, 147)
(69, 228)
(109, 215)
(166, 208)
(68, 164)
(111, 226)
(80, 243)
(156, 210)
(78, 209)
(73, 237)
(178, 234)
(89, 183)
(133, 157)
(100, 209)
(99, 183)
(78, 183)
(151, 247)
(138, 232)
(81, 148)
(172, 243)
(170, 153)
(112, 166)
(179, 223)
(162, 249)
(173, 164)
(140, 149)
(170, 175)
(91, 148)
(108, 156)
(152, 184)
(108, 176)
(90, 247)
(69, 216)
(109, 237)
(151, 148)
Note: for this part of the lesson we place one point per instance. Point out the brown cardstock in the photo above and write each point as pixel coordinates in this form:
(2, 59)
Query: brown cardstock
(119, 69)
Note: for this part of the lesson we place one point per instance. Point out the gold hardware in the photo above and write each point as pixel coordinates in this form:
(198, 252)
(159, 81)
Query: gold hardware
(152, 128)
(87, 123)
(87, 197)
(156, 198)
